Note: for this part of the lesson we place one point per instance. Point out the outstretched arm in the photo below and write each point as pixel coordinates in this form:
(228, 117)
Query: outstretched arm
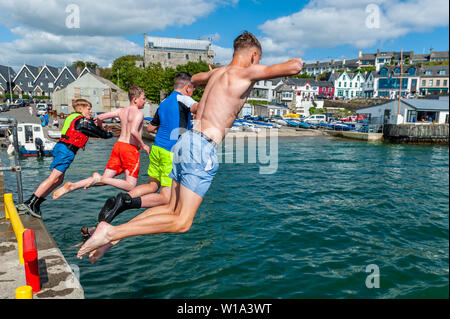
(89, 128)
(202, 78)
(259, 72)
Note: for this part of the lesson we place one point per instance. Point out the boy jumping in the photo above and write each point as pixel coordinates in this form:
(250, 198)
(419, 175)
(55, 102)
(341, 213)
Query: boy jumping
(195, 161)
(77, 129)
(125, 156)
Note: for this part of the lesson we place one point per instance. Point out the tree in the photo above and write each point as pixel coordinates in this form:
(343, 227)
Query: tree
(124, 71)
(82, 65)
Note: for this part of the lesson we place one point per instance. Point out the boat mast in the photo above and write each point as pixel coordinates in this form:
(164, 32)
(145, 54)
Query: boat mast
(400, 87)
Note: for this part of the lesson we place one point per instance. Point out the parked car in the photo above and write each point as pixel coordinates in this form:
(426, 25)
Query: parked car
(41, 108)
(275, 117)
(316, 119)
(4, 107)
(20, 103)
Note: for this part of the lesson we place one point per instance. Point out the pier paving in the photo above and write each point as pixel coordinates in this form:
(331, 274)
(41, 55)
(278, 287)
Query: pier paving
(58, 279)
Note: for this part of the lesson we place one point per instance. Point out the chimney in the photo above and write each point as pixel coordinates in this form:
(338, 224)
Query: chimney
(431, 50)
(332, 61)
(360, 54)
(378, 52)
(317, 62)
(78, 70)
(39, 68)
(59, 70)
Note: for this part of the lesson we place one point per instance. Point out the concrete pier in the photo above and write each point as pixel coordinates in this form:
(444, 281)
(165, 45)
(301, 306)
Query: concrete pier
(370, 137)
(58, 278)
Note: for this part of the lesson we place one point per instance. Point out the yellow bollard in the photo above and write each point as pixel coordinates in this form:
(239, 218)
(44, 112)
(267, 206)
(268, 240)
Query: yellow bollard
(24, 292)
(16, 223)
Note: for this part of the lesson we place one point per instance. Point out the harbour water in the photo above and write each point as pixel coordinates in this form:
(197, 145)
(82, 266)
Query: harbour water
(310, 230)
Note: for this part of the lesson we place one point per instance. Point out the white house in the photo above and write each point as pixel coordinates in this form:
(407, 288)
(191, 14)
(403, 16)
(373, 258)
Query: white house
(349, 85)
(409, 111)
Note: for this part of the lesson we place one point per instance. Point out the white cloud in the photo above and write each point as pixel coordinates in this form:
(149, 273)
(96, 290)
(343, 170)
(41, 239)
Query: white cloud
(112, 17)
(326, 24)
(43, 36)
(222, 55)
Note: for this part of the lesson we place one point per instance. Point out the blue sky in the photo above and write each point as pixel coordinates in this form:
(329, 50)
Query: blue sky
(313, 29)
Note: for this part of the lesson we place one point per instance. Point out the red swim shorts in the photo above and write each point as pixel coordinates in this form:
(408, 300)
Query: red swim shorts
(124, 156)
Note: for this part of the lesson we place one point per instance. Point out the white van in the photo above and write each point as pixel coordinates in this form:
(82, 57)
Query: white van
(316, 118)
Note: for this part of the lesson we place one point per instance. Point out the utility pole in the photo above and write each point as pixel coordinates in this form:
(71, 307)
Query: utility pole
(10, 85)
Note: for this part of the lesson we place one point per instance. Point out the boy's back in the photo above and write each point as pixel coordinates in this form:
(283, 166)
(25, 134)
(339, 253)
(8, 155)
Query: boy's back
(131, 121)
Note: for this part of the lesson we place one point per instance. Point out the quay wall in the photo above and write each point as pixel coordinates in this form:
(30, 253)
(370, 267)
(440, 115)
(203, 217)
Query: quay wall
(417, 133)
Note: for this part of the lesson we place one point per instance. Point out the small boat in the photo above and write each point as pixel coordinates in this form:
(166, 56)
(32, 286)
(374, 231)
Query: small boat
(32, 142)
(54, 134)
(250, 127)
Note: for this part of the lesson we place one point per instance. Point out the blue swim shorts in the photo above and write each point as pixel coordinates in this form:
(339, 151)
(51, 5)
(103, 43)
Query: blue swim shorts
(195, 162)
(62, 157)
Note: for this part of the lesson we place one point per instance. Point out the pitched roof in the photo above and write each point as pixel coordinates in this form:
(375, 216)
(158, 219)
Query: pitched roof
(439, 54)
(422, 104)
(4, 72)
(171, 43)
(33, 69)
(106, 82)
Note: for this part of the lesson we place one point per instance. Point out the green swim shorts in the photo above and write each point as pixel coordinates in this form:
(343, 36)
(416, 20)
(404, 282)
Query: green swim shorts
(160, 165)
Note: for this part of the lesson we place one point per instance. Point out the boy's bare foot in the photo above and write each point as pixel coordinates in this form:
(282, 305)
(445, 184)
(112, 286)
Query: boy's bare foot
(95, 179)
(98, 239)
(96, 254)
(62, 190)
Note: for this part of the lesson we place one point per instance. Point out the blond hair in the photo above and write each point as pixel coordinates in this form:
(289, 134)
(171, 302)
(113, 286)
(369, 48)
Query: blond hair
(79, 103)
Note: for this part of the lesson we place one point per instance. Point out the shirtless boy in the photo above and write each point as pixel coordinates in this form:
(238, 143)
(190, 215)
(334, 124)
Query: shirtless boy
(195, 161)
(125, 154)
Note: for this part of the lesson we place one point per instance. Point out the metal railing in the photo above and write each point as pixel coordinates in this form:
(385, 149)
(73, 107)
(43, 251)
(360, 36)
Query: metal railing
(11, 124)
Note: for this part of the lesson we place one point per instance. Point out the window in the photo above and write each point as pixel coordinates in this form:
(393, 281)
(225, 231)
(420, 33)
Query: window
(350, 84)
(200, 58)
(445, 83)
(30, 84)
(66, 76)
(430, 83)
(26, 75)
(168, 55)
(428, 72)
(412, 116)
(94, 92)
(339, 84)
(345, 84)
(442, 72)
(50, 85)
(412, 71)
(424, 82)
(46, 75)
(187, 56)
(438, 82)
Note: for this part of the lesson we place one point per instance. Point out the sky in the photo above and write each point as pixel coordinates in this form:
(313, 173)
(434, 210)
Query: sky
(58, 32)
